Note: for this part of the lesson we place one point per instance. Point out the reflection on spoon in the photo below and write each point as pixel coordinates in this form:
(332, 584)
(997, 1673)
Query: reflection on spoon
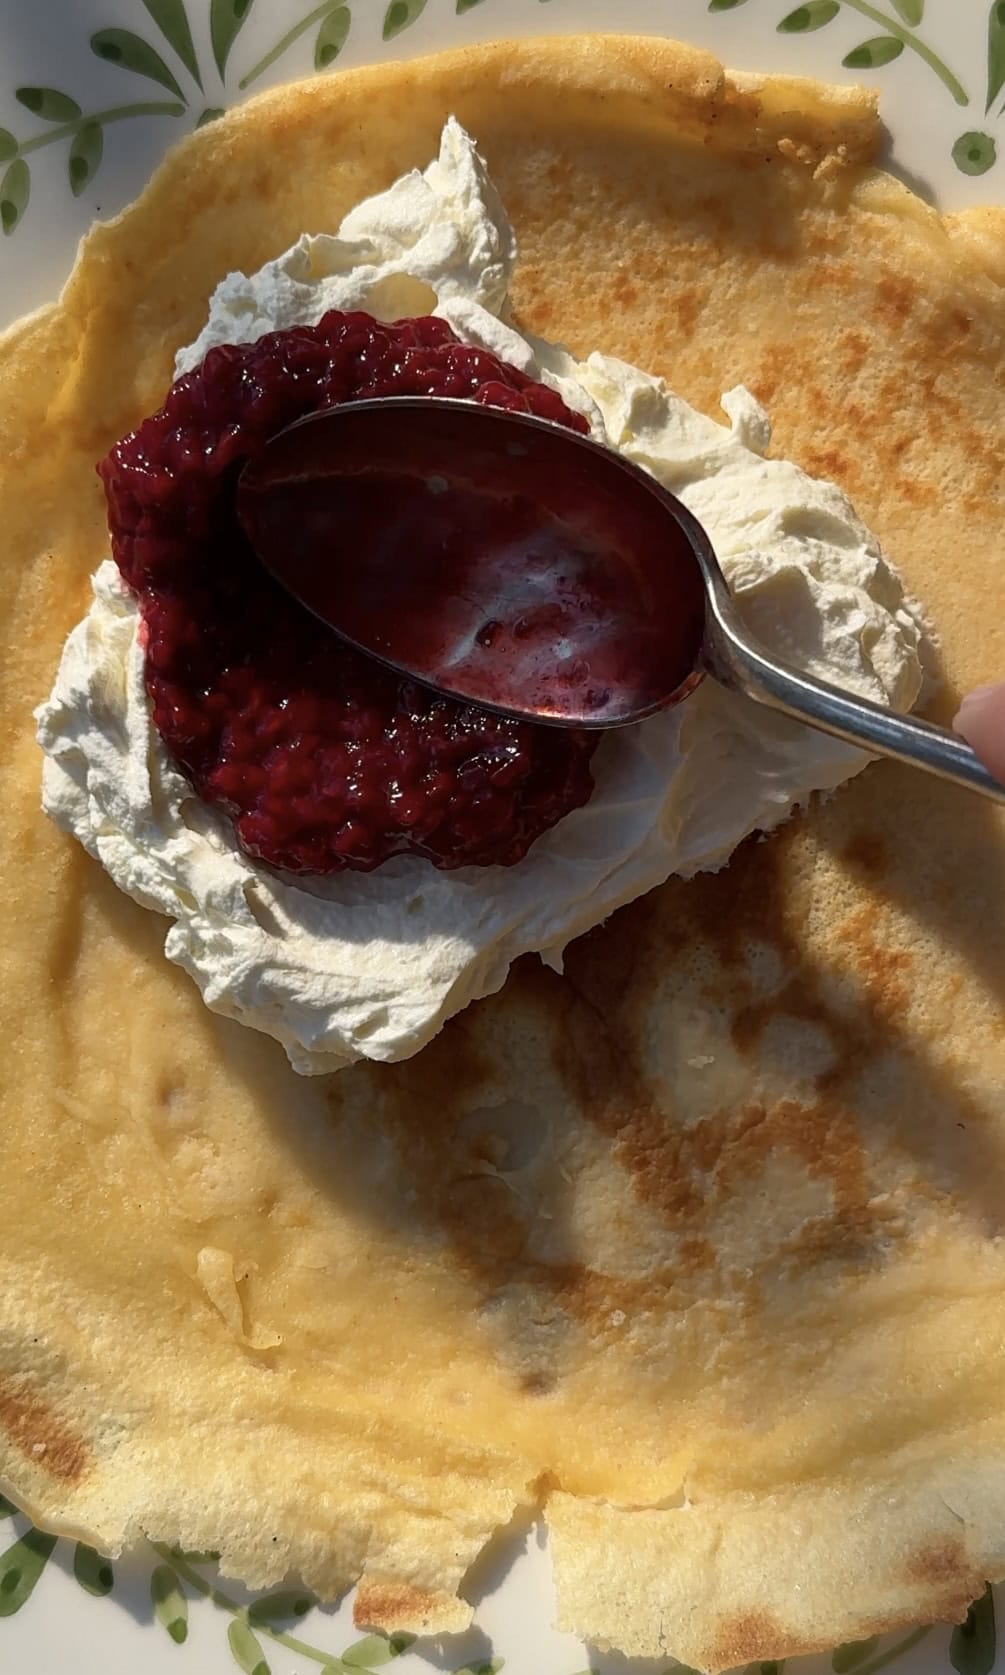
(513, 563)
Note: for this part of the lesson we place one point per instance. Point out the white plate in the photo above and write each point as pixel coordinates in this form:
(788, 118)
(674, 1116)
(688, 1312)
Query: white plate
(85, 112)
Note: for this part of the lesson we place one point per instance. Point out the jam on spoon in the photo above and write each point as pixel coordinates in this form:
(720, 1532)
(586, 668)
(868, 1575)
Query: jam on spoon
(506, 560)
(488, 562)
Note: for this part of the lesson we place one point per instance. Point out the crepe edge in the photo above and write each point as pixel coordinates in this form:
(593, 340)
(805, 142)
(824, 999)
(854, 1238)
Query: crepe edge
(731, 111)
(690, 1581)
(821, 127)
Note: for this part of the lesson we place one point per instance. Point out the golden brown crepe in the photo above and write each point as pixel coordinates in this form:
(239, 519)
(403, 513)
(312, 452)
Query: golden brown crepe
(702, 1246)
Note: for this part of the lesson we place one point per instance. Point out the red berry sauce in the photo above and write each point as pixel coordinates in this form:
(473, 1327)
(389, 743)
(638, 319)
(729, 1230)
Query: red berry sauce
(323, 758)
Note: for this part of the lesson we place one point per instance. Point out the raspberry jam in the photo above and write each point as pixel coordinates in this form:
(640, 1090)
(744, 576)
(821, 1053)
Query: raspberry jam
(322, 757)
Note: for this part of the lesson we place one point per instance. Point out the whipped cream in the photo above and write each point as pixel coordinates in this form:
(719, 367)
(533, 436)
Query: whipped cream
(371, 965)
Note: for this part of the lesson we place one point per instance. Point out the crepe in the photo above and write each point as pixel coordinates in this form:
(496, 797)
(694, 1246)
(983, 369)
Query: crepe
(700, 1247)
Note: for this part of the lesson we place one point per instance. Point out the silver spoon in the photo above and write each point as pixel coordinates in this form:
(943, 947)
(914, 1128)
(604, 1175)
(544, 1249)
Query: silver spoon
(508, 561)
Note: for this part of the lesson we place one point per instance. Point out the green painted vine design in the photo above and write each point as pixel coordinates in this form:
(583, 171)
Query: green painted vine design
(169, 61)
(176, 1577)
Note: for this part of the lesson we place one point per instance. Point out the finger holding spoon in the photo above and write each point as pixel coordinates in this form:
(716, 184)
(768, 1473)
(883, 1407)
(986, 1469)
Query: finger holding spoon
(981, 721)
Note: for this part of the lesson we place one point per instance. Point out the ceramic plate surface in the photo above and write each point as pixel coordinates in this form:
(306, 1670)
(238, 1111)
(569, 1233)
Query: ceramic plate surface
(92, 92)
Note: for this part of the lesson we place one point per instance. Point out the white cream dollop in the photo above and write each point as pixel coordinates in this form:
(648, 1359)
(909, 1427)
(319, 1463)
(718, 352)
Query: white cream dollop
(371, 965)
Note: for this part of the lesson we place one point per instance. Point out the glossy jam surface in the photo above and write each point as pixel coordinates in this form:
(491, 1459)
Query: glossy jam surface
(323, 758)
(529, 570)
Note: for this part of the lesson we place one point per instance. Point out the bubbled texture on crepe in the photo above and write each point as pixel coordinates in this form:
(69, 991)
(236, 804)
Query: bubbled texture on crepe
(702, 1244)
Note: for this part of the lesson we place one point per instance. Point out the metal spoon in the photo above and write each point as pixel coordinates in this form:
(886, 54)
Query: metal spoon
(508, 561)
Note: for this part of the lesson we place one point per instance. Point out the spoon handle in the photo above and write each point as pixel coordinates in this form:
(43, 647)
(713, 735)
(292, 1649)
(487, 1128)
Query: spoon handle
(739, 661)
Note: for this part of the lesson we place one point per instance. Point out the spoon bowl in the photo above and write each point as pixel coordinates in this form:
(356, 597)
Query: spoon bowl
(501, 566)
(514, 563)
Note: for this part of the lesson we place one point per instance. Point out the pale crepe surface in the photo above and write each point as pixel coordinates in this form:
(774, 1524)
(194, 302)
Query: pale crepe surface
(700, 1246)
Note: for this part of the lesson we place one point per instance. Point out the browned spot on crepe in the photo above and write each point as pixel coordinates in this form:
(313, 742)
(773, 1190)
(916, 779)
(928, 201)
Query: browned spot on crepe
(378, 1601)
(44, 1439)
(749, 1636)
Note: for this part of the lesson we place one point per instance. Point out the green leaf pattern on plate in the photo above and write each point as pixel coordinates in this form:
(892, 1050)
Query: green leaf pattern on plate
(226, 20)
(401, 14)
(975, 153)
(15, 190)
(332, 37)
(131, 52)
(814, 15)
(996, 51)
(49, 104)
(371, 1653)
(94, 1573)
(169, 1602)
(878, 50)
(20, 1569)
(872, 55)
(85, 156)
(171, 19)
(248, 1654)
(973, 1647)
(281, 1607)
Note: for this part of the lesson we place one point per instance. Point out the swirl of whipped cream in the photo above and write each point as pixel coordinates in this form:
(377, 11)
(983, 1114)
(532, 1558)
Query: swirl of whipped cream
(371, 965)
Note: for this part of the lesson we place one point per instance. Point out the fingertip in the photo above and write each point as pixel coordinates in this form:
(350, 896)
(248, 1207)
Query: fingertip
(981, 721)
